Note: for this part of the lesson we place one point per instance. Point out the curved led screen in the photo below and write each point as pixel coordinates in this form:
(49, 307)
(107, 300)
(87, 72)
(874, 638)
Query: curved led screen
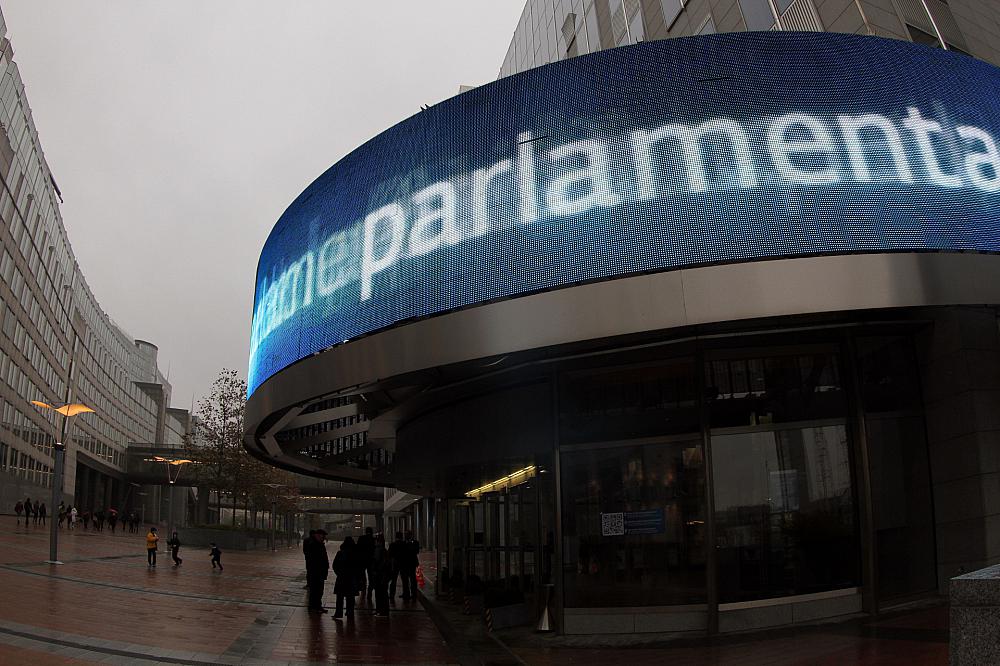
(652, 157)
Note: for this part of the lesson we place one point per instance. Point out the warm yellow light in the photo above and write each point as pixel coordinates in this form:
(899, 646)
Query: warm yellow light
(509, 481)
(71, 409)
(169, 461)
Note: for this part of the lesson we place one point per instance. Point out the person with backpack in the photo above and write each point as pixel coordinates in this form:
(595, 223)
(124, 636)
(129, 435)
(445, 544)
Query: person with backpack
(175, 546)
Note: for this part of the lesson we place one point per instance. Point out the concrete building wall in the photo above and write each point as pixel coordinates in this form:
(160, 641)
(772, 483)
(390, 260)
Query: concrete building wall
(552, 30)
(50, 322)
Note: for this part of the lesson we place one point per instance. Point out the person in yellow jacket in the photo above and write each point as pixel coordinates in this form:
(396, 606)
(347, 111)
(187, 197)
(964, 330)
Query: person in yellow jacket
(151, 540)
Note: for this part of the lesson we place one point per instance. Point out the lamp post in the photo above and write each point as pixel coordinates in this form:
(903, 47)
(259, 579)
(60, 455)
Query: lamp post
(68, 411)
(168, 463)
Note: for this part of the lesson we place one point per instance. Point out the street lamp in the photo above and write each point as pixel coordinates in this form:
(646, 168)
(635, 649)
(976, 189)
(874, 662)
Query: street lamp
(168, 463)
(68, 411)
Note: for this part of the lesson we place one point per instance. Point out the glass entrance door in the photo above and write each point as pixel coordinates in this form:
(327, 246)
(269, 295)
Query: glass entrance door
(784, 512)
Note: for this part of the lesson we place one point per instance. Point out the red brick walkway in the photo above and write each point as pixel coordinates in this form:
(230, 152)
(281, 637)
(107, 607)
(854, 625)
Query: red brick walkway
(104, 604)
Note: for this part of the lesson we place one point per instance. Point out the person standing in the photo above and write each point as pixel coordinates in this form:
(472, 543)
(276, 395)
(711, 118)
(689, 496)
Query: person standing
(216, 554)
(152, 539)
(346, 567)
(381, 572)
(18, 508)
(366, 559)
(175, 546)
(317, 568)
(412, 560)
(42, 513)
(397, 555)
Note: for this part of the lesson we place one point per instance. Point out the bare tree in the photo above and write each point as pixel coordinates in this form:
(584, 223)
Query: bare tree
(226, 467)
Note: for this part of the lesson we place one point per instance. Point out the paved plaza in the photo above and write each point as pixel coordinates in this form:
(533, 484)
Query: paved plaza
(105, 606)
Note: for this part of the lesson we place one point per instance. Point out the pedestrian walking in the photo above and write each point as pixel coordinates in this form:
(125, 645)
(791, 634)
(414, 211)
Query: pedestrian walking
(381, 572)
(27, 510)
(216, 556)
(73, 514)
(85, 518)
(42, 513)
(175, 546)
(18, 508)
(113, 520)
(366, 558)
(62, 514)
(152, 539)
(346, 566)
(317, 569)
(34, 511)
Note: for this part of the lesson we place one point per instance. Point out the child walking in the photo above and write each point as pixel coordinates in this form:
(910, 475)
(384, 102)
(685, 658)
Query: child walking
(216, 556)
(175, 547)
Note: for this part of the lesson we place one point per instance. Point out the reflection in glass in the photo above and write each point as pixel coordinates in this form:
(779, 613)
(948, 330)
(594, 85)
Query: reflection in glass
(784, 512)
(633, 525)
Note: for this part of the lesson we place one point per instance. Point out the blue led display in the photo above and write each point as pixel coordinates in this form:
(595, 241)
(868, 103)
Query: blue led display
(667, 154)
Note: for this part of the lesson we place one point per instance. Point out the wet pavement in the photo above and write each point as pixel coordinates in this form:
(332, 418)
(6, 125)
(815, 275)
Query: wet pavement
(105, 606)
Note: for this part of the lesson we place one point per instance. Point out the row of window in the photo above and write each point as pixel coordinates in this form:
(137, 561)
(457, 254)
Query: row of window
(23, 466)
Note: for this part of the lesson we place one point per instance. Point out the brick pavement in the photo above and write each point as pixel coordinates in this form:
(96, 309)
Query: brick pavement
(104, 605)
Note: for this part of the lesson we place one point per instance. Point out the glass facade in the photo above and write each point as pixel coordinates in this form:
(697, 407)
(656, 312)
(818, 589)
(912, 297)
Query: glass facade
(745, 459)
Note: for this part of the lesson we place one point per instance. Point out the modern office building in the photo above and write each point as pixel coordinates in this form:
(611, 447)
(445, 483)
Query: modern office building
(693, 335)
(54, 333)
(553, 30)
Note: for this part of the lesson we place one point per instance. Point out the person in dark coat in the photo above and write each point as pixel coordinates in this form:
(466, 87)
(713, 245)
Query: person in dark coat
(366, 558)
(346, 566)
(397, 556)
(381, 573)
(410, 563)
(317, 569)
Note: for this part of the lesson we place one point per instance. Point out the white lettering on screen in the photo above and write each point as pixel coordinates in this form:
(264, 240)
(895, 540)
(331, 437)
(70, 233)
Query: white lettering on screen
(575, 178)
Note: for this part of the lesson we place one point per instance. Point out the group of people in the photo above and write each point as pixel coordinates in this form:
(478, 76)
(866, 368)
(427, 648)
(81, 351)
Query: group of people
(33, 513)
(366, 567)
(174, 544)
(36, 513)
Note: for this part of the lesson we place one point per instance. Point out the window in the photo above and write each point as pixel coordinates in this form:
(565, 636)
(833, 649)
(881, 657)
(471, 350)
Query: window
(634, 525)
(784, 513)
(777, 389)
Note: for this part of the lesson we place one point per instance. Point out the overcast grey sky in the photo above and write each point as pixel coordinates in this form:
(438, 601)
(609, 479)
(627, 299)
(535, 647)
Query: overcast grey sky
(179, 131)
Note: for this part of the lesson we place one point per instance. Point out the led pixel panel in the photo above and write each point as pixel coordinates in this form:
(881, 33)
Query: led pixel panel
(653, 157)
